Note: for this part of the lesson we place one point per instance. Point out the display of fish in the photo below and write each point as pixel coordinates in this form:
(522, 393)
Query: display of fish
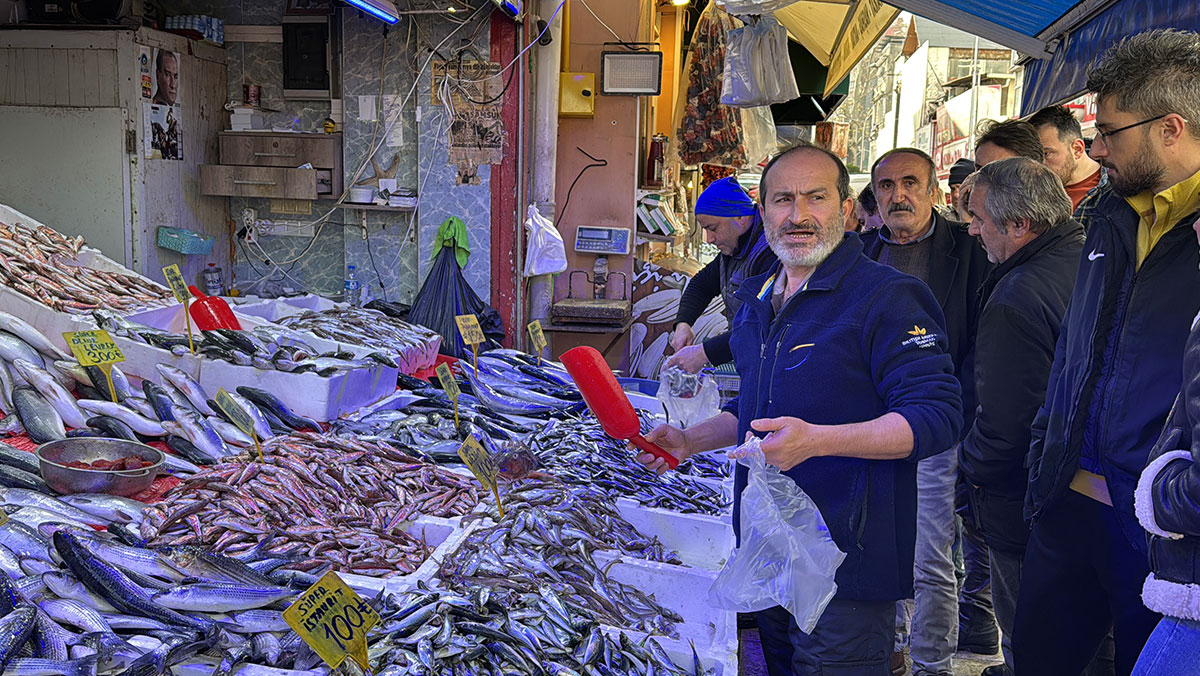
(319, 500)
(411, 347)
(43, 265)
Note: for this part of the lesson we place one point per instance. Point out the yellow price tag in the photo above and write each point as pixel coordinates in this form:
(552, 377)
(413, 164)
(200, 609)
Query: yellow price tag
(450, 385)
(175, 281)
(96, 348)
(333, 621)
(183, 295)
(469, 328)
(3, 518)
(482, 465)
(239, 417)
(537, 338)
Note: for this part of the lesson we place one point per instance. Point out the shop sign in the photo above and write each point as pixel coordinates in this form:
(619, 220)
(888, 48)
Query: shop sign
(869, 21)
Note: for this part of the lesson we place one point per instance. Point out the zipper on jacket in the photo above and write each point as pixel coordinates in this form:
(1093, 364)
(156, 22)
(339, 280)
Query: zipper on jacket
(862, 516)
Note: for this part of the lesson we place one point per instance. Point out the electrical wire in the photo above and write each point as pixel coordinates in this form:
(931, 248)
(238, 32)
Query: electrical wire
(595, 162)
(622, 41)
(522, 52)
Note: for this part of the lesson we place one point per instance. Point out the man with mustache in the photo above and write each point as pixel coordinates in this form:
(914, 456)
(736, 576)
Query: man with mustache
(918, 241)
(1116, 366)
(843, 367)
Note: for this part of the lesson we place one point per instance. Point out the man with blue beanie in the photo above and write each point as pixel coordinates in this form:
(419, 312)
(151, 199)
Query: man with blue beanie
(731, 223)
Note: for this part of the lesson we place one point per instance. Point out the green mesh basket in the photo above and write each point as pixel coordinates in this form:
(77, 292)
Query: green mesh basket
(185, 241)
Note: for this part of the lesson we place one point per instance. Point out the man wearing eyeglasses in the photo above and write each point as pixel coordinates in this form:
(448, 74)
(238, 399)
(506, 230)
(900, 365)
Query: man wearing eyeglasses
(1116, 364)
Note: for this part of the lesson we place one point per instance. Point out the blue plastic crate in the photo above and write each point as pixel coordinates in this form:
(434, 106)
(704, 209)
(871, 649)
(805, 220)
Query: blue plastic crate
(185, 241)
(643, 385)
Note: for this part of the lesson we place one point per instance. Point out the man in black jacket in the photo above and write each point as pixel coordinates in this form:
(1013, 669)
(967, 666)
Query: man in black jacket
(1022, 217)
(1116, 365)
(918, 241)
(732, 223)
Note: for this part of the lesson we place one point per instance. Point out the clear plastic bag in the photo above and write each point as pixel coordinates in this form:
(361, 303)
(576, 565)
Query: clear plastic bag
(546, 255)
(786, 557)
(689, 398)
(758, 70)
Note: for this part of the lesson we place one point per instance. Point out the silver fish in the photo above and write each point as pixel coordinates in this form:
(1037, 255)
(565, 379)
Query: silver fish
(217, 598)
(10, 564)
(108, 508)
(34, 338)
(38, 417)
(261, 427)
(139, 424)
(230, 433)
(53, 392)
(36, 516)
(13, 348)
(28, 498)
(191, 426)
(66, 587)
(76, 614)
(24, 542)
(187, 385)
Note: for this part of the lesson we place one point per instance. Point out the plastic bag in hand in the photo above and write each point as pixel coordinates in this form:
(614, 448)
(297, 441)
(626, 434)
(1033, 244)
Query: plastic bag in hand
(786, 556)
(546, 255)
(689, 398)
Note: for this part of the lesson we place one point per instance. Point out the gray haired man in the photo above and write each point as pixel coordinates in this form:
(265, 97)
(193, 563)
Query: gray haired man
(1022, 217)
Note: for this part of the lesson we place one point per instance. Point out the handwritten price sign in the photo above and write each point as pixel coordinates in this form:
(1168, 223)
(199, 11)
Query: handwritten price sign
(239, 417)
(96, 348)
(333, 621)
(469, 328)
(182, 294)
(482, 465)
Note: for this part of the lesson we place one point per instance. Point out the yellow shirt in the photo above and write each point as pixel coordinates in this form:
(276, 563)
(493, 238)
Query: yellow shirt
(1163, 211)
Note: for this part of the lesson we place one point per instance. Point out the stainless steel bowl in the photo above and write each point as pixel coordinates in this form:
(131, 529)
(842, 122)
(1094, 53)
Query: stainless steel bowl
(54, 455)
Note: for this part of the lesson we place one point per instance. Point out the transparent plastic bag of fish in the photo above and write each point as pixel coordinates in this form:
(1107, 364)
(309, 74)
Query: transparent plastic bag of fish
(786, 556)
(689, 398)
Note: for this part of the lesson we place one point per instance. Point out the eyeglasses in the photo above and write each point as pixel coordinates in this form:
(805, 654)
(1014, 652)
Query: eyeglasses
(1104, 135)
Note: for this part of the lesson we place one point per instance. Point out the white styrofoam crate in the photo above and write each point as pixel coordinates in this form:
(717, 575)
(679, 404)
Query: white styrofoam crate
(308, 394)
(701, 542)
(442, 535)
(684, 591)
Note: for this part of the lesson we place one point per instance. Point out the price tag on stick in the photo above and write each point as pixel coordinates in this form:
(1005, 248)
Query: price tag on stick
(537, 338)
(239, 417)
(482, 466)
(450, 385)
(96, 348)
(472, 334)
(333, 621)
(183, 295)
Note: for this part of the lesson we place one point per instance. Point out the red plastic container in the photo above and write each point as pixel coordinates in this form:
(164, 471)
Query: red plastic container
(211, 313)
(607, 400)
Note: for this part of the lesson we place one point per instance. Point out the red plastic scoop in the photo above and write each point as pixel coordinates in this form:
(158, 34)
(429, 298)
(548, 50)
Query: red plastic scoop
(607, 400)
(212, 312)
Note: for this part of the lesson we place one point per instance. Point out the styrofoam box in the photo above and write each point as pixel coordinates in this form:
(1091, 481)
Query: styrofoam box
(718, 663)
(308, 394)
(443, 535)
(685, 591)
(427, 573)
(701, 542)
(274, 309)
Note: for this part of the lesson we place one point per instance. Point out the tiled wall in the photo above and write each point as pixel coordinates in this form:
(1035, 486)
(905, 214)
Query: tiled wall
(399, 251)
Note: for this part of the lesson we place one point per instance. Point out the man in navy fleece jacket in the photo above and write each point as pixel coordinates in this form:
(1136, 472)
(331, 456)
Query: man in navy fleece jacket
(844, 369)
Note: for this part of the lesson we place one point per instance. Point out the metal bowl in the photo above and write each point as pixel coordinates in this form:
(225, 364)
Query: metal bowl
(54, 455)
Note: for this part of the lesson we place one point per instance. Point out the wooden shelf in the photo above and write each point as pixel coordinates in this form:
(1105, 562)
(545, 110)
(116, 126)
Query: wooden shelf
(374, 207)
(670, 239)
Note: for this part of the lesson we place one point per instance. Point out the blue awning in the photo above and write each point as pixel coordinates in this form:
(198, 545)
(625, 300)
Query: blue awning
(1063, 76)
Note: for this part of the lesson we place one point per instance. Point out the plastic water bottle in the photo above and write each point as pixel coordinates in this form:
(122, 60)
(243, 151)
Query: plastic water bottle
(212, 280)
(350, 290)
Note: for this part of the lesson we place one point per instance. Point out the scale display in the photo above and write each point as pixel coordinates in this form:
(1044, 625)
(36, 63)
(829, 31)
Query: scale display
(603, 241)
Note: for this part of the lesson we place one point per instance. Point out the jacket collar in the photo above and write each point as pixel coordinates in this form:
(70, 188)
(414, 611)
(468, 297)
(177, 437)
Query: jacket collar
(1047, 240)
(756, 292)
(749, 238)
(943, 261)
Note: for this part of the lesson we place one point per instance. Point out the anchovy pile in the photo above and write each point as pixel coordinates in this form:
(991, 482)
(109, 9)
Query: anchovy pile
(577, 451)
(412, 347)
(706, 466)
(264, 348)
(478, 631)
(529, 554)
(582, 512)
(41, 264)
(315, 500)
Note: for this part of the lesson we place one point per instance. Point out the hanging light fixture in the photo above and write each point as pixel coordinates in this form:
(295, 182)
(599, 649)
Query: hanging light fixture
(384, 10)
(681, 3)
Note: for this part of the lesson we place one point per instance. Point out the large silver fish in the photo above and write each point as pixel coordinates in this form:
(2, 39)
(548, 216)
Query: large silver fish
(187, 385)
(39, 418)
(54, 393)
(191, 426)
(135, 420)
(27, 498)
(34, 338)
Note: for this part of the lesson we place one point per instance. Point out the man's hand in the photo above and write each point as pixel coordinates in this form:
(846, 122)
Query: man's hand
(672, 440)
(791, 441)
(691, 358)
(682, 336)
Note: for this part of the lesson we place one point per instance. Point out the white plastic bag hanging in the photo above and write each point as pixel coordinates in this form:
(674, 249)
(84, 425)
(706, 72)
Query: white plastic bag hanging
(786, 556)
(758, 70)
(546, 254)
(750, 7)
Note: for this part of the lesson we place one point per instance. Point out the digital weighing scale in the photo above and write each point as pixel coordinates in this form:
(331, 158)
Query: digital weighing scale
(599, 309)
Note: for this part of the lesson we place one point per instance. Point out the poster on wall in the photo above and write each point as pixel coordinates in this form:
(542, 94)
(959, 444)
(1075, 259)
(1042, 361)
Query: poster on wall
(145, 61)
(162, 132)
(162, 116)
(476, 129)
